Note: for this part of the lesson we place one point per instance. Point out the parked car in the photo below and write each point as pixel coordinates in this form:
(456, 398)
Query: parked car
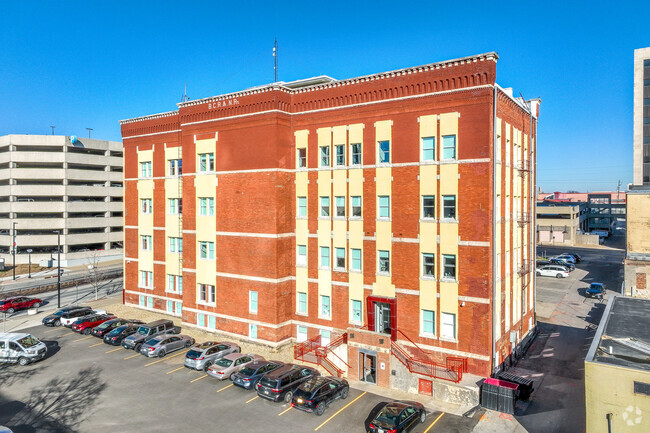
(86, 324)
(279, 384)
(248, 376)
(570, 267)
(567, 258)
(202, 356)
(21, 348)
(601, 233)
(54, 319)
(596, 290)
(319, 392)
(227, 366)
(148, 331)
(109, 325)
(163, 344)
(115, 337)
(575, 256)
(396, 416)
(68, 319)
(10, 305)
(552, 271)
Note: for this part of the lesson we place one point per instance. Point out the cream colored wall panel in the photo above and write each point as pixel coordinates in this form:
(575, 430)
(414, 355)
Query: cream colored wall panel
(339, 229)
(302, 184)
(205, 146)
(301, 279)
(355, 182)
(429, 237)
(324, 232)
(356, 287)
(340, 183)
(383, 180)
(301, 232)
(449, 239)
(429, 126)
(449, 179)
(384, 241)
(383, 287)
(339, 135)
(301, 138)
(325, 283)
(428, 181)
(449, 299)
(428, 295)
(324, 184)
(356, 234)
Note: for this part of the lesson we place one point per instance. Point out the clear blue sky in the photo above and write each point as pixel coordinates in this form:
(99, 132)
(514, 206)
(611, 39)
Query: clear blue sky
(78, 64)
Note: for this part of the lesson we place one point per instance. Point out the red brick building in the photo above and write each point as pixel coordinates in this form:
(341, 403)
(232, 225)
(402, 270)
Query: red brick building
(387, 216)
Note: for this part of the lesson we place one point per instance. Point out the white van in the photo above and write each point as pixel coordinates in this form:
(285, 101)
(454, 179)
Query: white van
(21, 348)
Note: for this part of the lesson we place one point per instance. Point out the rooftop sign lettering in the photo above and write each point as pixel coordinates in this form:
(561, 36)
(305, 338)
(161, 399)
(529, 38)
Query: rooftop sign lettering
(219, 104)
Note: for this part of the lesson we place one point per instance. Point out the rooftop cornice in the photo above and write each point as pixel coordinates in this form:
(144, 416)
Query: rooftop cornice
(149, 117)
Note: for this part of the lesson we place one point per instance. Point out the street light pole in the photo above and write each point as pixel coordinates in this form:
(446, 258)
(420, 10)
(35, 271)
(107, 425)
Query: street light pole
(29, 270)
(13, 249)
(58, 263)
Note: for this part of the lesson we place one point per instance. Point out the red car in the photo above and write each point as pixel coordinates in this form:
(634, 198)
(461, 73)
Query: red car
(9, 305)
(85, 325)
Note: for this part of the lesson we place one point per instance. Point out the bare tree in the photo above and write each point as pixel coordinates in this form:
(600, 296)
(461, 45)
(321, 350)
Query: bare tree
(96, 273)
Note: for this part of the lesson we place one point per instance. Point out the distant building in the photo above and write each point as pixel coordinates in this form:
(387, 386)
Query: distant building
(641, 164)
(51, 184)
(617, 369)
(560, 223)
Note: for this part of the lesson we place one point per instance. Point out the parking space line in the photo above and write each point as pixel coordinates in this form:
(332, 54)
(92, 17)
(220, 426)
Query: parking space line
(84, 338)
(257, 396)
(52, 330)
(339, 411)
(114, 350)
(176, 369)
(198, 378)
(132, 356)
(166, 358)
(285, 411)
(434, 421)
(225, 387)
(96, 344)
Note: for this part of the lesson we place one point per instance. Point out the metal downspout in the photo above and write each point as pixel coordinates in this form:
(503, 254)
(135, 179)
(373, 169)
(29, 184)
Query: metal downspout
(494, 228)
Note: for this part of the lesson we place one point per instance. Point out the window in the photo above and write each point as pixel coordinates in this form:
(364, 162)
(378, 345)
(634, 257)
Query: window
(325, 310)
(145, 169)
(175, 245)
(428, 322)
(384, 261)
(252, 330)
(356, 153)
(179, 308)
(449, 266)
(301, 334)
(384, 206)
(325, 206)
(302, 207)
(449, 206)
(302, 158)
(642, 388)
(141, 300)
(302, 303)
(356, 311)
(175, 167)
(207, 293)
(206, 250)
(145, 242)
(206, 162)
(340, 154)
(384, 151)
(448, 326)
(340, 258)
(356, 259)
(428, 206)
(448, 147)
(427, 265)
(175, 206)
(145, 206)
(174, 283)
(325, 156)
(206, 206)
(149, 301)
(301, 257)
(428, 148)
(340, 206)
(146, 279)
(355, 201)
(200, 319)
(324, 257)
(170, 306)
(252, 301)
(212, 322)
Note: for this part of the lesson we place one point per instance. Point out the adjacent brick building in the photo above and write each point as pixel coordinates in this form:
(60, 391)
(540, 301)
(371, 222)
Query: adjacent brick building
(393, 210)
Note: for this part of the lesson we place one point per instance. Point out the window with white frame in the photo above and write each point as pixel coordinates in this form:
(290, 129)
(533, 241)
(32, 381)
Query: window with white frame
(325, 206)
(428, 207)
(149, 301)
(356, 153)
(355, 311)
(340, 206)
(301, 256)
(428, 148)
(145, 169)
(206, 250)
(325, 156)
(175, 206)
(207, 293)
(449, 266)
(340, 258)
(340, 154)
(146, 206)
(145, 243)
(383, 148)
(301, 158)
(384, 261)
(302, 207)
(449, 206)
(206, 206)
(178, 308)
(170, 307)
(200, 320)
(325, 307)
(448, 326)
(302, 303)
(175, 245)
(448, 147)
(146, 279)
(428, 322)
(355, 263)
(355, 204)
(428, 265)
(301, 333)
(252, 301)
(252, 330)
(174, 283)
(325, 257)
(206, 162)
(384, 206)
(175, 167)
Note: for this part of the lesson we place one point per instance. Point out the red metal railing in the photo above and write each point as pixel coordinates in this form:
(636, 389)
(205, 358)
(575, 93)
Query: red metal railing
(312, 351)
(299, 350)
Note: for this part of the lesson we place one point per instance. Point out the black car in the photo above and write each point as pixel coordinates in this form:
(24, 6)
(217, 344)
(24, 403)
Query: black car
(55, 318)
(109, 325)
(248, 376)
(397, 416)
(318, 392)
(559, 262)
(280, 384)
(115, 336)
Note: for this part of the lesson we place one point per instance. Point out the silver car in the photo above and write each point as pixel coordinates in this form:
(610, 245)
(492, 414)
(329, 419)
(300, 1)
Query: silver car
(202, 356)
(226, 367)
(163, 344)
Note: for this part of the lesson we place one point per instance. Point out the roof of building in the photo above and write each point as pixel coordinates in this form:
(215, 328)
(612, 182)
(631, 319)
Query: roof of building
(622, 337)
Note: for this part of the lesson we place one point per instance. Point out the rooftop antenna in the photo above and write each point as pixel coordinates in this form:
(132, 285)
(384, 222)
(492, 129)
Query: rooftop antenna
(185, 98)
(52, 129)
(275, 59)
(89, 129)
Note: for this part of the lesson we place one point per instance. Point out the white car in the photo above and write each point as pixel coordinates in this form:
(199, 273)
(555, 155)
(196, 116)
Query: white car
(68, 319)
(568, 259)
(552, 271)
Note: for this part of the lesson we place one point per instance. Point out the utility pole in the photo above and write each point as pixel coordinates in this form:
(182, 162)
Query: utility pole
(618, 190)
(58, 263)
(13, 248)
(89, 129)
(52, 129)
(275, 59)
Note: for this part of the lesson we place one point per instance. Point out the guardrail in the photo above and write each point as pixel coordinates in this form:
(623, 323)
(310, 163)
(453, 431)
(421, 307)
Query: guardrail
(64, 284)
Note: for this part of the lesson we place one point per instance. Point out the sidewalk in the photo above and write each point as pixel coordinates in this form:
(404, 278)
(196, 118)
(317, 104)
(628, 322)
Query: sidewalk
(497, 422)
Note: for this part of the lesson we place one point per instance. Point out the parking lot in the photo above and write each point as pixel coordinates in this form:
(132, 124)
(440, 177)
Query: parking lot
(86, 385)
